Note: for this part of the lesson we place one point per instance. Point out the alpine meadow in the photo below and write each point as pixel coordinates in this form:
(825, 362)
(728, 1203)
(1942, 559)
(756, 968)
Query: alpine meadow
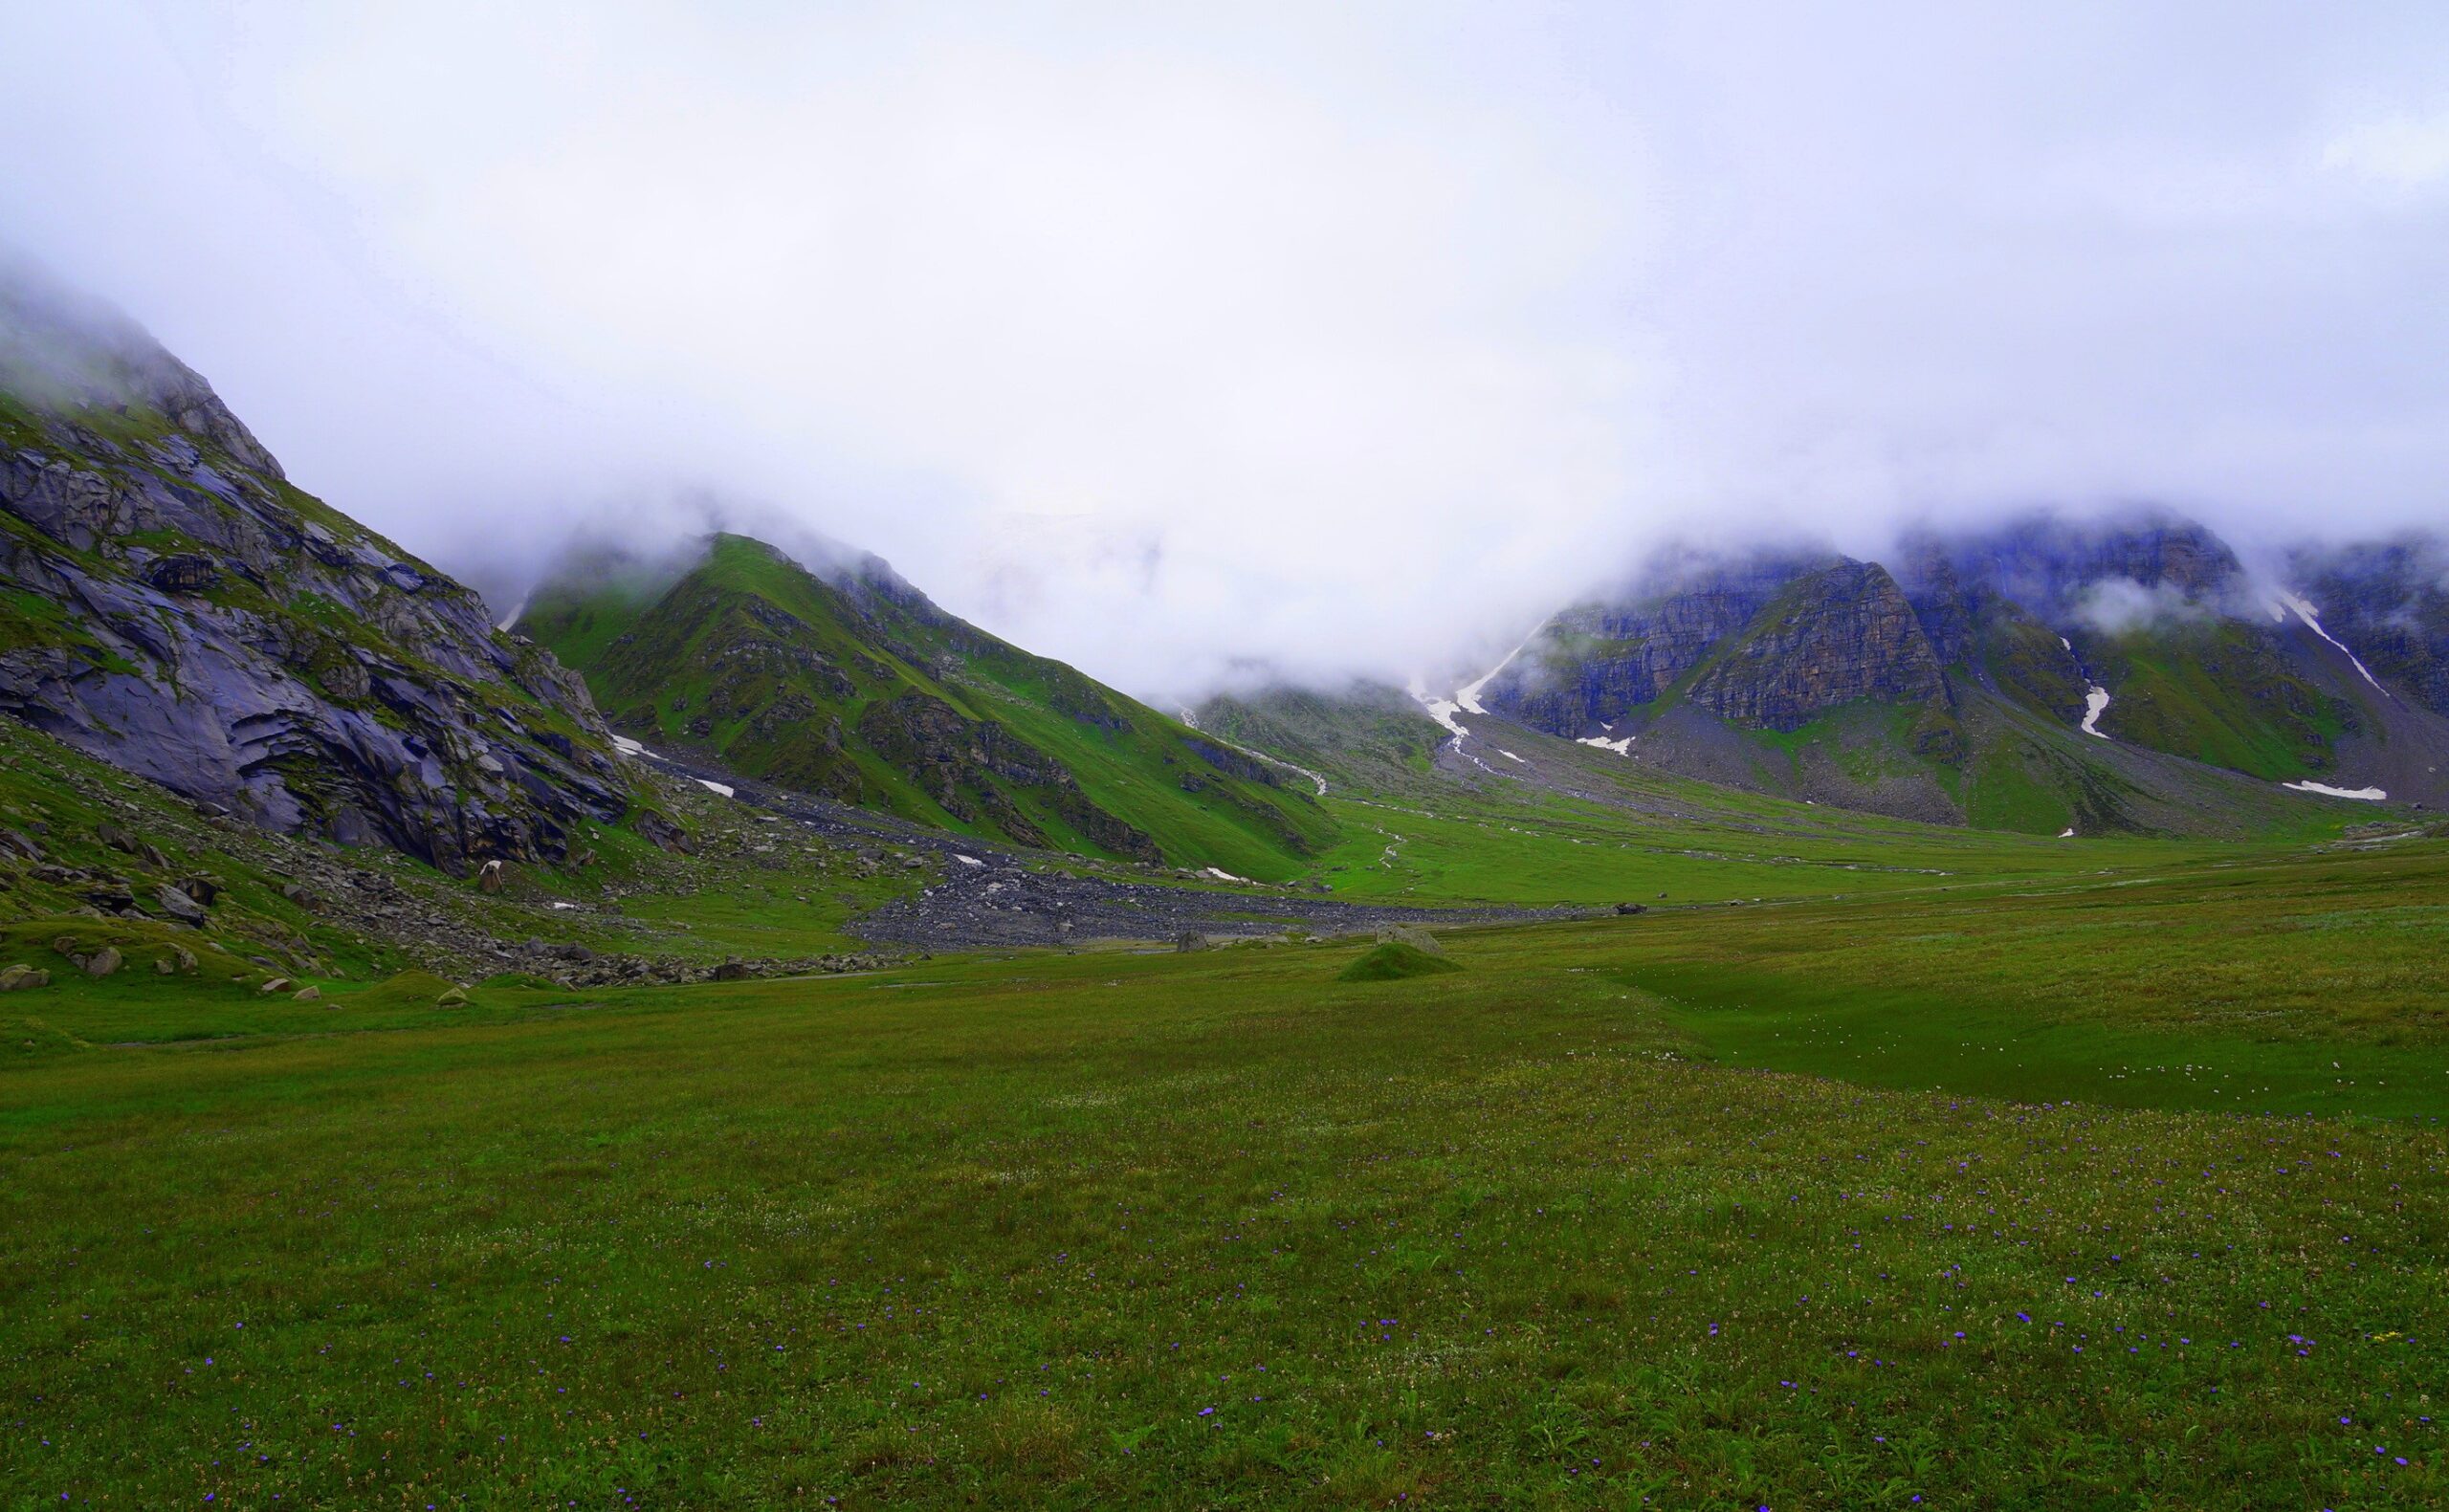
(1621, 757)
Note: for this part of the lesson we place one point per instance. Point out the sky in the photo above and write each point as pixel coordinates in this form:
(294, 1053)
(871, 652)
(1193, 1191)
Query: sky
(1176, 341)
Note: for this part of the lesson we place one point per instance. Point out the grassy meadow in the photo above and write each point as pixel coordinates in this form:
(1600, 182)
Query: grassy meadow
(1967, 1193)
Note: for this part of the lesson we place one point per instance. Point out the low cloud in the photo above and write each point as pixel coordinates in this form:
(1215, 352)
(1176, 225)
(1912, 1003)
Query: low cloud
(1347, 339)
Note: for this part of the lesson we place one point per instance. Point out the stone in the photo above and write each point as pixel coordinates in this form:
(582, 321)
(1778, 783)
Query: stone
(102, 962)
(1624, 910)
(183, 571)
(23, 978)
(733, 972)
(277, 984)
(456, 997)
(307, 995)
(179, 906)
(204, 888)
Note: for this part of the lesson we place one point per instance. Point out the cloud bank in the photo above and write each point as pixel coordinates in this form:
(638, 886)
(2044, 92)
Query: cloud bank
(1343, 337)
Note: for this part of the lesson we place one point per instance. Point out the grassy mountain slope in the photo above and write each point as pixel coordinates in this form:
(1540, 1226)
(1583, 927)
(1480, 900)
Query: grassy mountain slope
(863, 690)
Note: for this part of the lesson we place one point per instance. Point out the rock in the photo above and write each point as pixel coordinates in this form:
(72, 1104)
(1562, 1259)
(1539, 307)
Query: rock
(489, 878)
(18, 840)
(268, 703)
(179, 906)
(277, 984)
(733, 972)
(1627, 908)
(204, 888)
(102, 962)
(183, 571)
(23, 978)
(456, 997)
(662, 833)
(307, 995)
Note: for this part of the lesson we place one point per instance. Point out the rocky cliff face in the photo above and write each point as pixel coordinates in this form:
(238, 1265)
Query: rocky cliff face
(171, 603)
(2389, 600)
(1598, 660)
(1764, 641)
(1840, 635)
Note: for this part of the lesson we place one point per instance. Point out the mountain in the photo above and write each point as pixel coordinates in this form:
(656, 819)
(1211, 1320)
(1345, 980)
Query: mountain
(2125, 673)
(2390, 601)
(171, 604)
(853, 685)
(1366, 735)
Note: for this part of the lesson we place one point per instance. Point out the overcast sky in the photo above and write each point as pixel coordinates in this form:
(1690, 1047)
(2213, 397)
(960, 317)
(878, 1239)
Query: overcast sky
(1335, 336)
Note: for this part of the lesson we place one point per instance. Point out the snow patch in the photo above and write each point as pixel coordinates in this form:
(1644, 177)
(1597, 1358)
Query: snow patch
(2095, 705)
(517, 609)
(1510, 756)
(630, 748)
(557, 906)
(2063, 641)
(967, 860)
(2068, 833)
(1222, 875)
(2369, 795)
(1468, 697)
(2313, 617)
(722, 789)
(1622, 747)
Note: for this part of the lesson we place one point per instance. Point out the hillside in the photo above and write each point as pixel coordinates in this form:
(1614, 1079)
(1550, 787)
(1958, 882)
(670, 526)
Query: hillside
(170, 603)
(2050, 675)
(860, 690)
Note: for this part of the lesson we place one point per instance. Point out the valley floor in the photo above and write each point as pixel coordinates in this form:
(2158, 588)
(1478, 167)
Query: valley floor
(2120, 1190)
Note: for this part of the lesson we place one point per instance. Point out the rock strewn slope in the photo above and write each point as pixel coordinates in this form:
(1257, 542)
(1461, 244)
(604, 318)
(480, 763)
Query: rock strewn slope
(171, 604)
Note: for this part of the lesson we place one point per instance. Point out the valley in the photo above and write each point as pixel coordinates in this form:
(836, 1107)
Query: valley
(1792, 1033)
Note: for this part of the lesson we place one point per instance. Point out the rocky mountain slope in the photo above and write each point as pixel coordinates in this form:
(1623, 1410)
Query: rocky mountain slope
(855, 687)
(2118, 673)
(171, 604)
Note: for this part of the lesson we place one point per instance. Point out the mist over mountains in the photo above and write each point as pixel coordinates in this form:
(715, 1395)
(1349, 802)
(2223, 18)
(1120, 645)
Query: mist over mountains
(1349, 341)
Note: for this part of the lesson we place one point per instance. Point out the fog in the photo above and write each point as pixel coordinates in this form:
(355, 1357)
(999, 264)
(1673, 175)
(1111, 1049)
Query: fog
(1333, 339)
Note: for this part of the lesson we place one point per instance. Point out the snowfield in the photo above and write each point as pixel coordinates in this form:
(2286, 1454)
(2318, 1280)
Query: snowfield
(2369, 795)
(2095, 705)
(2303, 608)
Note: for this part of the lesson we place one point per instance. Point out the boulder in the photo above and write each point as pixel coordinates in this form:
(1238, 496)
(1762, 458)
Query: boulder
(733, 972)
(102, 962)
(279, 984)
(456, 997)
(1625, 909)
(183, 571)
(23, 978)
(179, 906)
(307, 995)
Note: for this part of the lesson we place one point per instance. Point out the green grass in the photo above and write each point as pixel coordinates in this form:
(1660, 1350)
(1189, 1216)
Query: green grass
(1395, 960)
(1194, 1229)
(797, 680)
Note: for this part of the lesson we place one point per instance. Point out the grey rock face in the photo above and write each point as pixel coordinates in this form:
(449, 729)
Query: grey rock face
(1599, 661)
(1834, 637)
(181, 611)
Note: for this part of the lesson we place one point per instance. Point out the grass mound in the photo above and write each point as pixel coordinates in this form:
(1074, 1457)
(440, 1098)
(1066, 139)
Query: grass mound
(1394, 961)
(31, 1039)
(409, 989)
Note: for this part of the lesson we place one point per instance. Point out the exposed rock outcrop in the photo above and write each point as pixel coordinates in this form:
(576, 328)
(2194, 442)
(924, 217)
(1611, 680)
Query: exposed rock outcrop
(173, 606)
